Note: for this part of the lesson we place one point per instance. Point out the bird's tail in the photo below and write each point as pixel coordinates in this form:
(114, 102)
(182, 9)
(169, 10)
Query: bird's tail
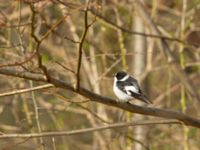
(143, 98)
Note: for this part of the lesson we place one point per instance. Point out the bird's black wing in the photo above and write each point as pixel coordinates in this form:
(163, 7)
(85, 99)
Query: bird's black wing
(122, 85)
(133, 82)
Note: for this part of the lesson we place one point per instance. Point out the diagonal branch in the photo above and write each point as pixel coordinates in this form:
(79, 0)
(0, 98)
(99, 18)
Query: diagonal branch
(164, 113)
(29, 58)
(113, 25)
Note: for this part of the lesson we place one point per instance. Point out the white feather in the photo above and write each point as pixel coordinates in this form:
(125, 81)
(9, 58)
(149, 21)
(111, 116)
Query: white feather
(125, 78)
(123, 97)
(131, 88)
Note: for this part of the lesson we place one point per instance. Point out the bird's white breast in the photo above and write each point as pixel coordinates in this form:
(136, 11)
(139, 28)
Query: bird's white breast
(123, 97)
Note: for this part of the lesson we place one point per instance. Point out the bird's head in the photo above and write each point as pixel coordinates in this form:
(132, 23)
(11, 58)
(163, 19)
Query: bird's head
(120, 75)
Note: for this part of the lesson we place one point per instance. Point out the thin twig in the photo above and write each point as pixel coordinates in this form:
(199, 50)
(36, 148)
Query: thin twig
(71, 40)
(26, 90)
(10, 146)
(89, 130)
(109, 69)
(80, 49)
(37, 40)
(37, 116)
(137, 141)
(19, 63)
(53, 143)
(94, 114)
(64, 67)
(53, 27)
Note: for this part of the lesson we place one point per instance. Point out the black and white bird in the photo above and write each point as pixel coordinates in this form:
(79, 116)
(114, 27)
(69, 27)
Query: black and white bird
(126, 88)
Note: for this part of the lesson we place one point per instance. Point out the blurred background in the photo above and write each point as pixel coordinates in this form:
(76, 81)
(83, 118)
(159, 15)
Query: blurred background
(118, 38)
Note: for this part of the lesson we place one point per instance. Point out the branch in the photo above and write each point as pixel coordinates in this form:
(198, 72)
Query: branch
(19, 63)
(87, 130)
(37, 40)
(164, 113)
(117, 27)
(80, 49)
(26, 90)
(53, 27)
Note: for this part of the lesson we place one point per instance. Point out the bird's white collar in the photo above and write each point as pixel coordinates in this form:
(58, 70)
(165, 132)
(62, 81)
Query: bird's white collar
(125, 78)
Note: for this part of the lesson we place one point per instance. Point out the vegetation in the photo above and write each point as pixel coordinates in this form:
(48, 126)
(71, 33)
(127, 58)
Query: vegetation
(57, 63)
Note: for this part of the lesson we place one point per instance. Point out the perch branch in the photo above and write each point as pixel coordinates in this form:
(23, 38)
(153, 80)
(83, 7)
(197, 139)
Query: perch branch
(158, 112)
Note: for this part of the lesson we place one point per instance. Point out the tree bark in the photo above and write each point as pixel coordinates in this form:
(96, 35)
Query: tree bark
(138, 67)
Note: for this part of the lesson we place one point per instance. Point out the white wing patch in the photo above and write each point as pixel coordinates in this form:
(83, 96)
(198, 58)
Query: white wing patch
(132, 89)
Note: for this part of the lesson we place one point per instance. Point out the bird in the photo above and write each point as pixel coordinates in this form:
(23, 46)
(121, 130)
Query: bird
(127, 88)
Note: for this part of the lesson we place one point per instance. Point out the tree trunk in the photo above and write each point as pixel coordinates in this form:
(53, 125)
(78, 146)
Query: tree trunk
(138, 67)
